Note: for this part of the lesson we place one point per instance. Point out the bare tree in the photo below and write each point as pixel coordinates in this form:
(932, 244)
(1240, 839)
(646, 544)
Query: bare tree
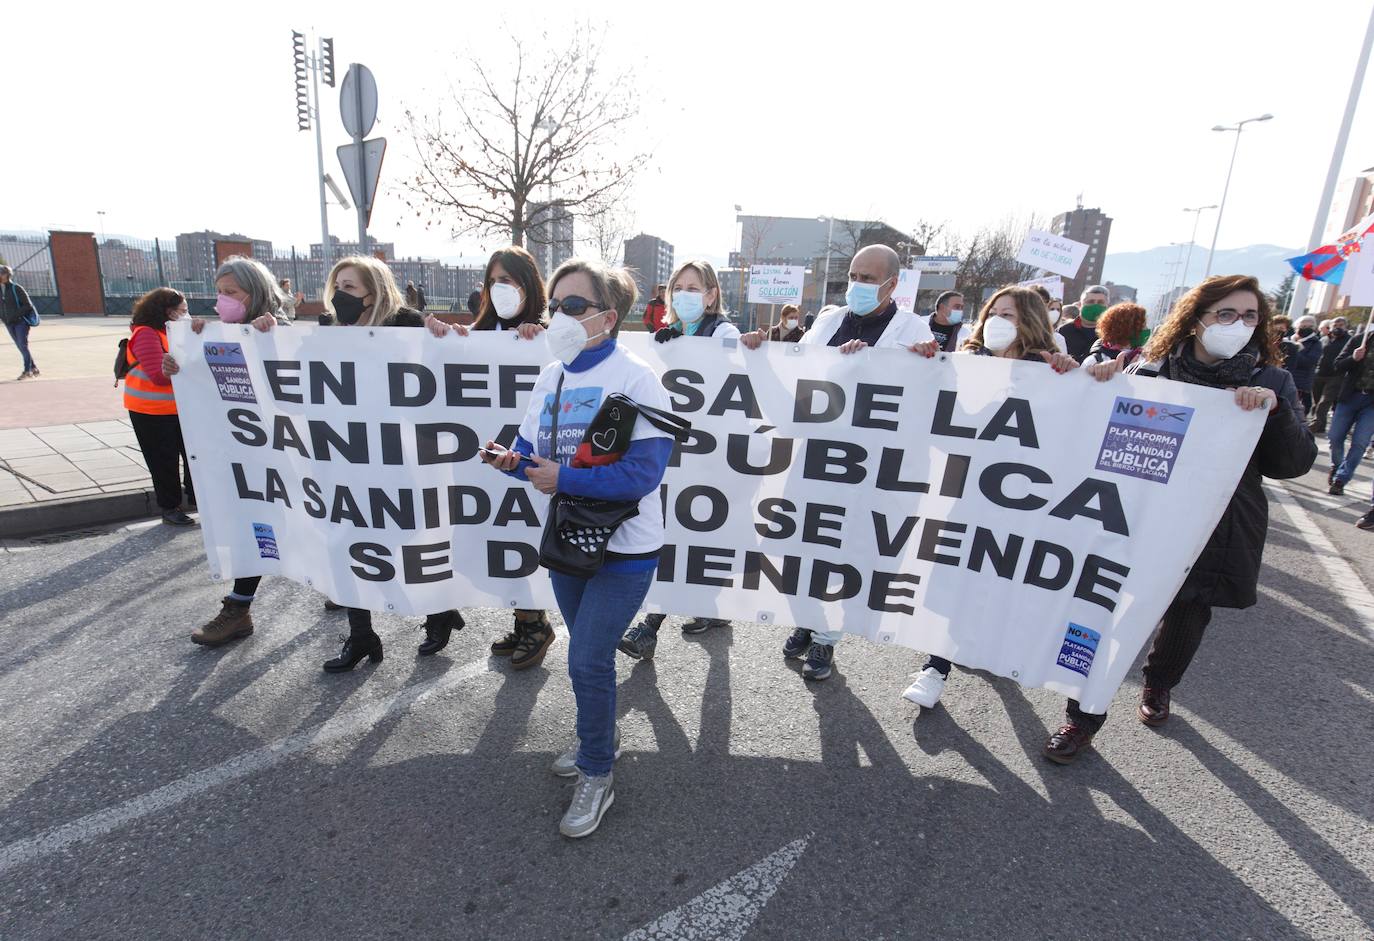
(989, 258)
(536, 118)
(609, 225)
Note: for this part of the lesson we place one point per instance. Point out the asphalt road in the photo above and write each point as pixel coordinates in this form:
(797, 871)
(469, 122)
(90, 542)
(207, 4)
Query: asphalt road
(153, 789)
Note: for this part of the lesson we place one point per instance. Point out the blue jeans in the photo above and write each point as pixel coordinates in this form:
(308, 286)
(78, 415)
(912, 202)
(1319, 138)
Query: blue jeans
(597, 610)
(19, 333)
(1356, 412)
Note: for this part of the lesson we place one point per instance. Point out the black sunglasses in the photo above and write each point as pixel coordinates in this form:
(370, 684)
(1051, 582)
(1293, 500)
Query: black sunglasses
(572, 305)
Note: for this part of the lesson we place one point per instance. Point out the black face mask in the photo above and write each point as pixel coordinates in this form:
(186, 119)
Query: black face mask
(1305, 332)
(348, 308)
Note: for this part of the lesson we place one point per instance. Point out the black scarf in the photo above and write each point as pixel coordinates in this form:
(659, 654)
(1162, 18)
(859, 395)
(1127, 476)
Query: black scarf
(1226, 374)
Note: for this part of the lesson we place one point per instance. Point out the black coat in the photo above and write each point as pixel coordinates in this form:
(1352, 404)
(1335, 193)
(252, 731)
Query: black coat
(1349, 369)
(1226, 574)
(14, 303)
(1078, 339)
(1303, 363)
(1331, 348)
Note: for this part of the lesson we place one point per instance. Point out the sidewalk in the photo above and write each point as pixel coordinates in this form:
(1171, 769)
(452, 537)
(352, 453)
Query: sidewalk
(68, 456)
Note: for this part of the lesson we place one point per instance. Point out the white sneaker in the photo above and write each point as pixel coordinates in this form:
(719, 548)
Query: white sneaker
(592, 797)
(565, 765)
(925, 692)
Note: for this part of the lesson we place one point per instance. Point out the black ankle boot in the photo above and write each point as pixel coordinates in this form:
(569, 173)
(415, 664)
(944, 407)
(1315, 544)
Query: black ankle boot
(438, 627)
(355, 649)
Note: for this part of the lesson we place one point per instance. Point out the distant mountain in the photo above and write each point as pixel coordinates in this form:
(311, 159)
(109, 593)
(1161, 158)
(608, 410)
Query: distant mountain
(1147, 270)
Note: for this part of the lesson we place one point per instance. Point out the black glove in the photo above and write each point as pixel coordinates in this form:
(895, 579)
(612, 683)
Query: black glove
(326, 319)
(664, 334)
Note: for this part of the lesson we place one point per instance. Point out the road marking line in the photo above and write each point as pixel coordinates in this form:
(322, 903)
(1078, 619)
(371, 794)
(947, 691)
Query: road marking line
(1350, 588)
(727, 910)
(85, 828)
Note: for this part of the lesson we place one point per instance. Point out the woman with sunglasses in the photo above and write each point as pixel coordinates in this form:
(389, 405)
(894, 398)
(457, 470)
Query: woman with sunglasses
(512, 300)
(694, 310)
(1218, 335)
(588, 301)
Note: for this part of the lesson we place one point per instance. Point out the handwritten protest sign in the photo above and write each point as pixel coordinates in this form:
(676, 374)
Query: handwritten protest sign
(908, 284)
(776, 284)
(1052, 253)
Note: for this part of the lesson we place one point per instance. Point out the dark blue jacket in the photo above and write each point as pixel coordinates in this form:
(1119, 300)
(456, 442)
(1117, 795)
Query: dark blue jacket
(1303, 363)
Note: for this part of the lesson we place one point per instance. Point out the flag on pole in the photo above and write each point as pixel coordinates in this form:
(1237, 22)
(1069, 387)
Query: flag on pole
(1328, 262)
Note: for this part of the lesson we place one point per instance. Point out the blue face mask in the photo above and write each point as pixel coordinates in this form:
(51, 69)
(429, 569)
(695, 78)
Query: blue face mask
(862, 298)
(955, 316)
(688, 305)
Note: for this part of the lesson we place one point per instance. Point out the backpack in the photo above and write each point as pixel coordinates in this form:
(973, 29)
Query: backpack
(121, 363)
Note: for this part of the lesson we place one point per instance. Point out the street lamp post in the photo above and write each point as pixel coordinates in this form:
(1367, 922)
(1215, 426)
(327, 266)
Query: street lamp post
(825, 275)
(1225, 189)
(1192, 240)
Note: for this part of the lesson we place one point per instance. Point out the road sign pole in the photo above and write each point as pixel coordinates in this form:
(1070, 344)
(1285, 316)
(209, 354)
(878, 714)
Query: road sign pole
(364, 206)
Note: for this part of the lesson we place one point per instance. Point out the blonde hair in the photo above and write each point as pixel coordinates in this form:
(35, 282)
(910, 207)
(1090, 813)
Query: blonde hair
(1032, 323)
(707, 274)
(614, 287)
(379, 282)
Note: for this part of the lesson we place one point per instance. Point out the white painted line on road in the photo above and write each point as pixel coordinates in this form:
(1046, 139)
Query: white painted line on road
(727, 910)
(104, 821)
(1350, 588)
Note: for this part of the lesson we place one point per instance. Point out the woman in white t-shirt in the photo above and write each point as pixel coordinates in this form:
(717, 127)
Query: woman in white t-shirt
(694, 310)
(588, 300)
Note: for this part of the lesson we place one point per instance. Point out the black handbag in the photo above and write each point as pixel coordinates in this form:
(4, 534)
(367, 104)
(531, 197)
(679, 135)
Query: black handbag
(578, 529)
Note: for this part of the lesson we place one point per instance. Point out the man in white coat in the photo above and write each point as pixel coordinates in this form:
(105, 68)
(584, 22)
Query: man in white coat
(869, 318)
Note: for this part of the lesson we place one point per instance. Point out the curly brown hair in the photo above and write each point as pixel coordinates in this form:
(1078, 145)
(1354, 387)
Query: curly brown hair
(1183, 319)
(154, 308)
(1120, 324)
(1032, 323)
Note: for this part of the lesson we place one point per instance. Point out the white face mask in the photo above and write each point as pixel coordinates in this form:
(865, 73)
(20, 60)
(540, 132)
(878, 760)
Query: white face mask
(565, 338)
(1225, 341)
(507, 300)
(789, 324)
(998, 334)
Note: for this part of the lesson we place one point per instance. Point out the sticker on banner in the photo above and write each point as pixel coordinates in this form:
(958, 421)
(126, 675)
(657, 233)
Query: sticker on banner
(230, 370)
(267, 541)
(1079, 649)
(1143, 438)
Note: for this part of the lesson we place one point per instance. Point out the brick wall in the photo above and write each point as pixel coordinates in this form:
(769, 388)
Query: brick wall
(76, 268)
(224, 248)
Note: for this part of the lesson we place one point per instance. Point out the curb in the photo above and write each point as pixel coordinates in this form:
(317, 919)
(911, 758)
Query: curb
(32, 519)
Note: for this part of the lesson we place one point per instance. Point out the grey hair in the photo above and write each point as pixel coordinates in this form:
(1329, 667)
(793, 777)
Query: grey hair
(1095, 289)
(1305, 320)
(6, 270)
(253, 278)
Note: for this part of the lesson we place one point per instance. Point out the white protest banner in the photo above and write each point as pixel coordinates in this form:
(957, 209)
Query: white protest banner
(908, 284)
(1054, 284)
(935, 264)
(776, 284)
(996, 513)
(1052, 252)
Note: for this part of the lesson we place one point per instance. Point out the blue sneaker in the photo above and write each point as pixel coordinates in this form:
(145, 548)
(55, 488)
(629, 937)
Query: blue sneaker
(819, 657)
(797, 645)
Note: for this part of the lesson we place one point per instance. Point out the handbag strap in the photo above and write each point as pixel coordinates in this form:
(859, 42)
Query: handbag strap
(676, 427)
(553, 425)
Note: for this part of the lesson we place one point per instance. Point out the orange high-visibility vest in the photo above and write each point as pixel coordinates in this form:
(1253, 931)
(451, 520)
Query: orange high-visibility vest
(141, 394)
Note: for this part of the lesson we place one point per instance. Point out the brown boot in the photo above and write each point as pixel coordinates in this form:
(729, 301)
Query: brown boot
(1154, 705)
(1065, 744)
(233, 622)
(536, 638)
(524, 620)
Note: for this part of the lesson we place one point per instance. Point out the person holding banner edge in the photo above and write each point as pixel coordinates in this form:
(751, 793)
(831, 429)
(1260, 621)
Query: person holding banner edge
(1013, 324)
(588, 301)
(1217, 335)
(694, 309)
(512, 299)
(869, 318)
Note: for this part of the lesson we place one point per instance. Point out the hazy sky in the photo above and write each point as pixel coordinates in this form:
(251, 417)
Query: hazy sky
(171, 117)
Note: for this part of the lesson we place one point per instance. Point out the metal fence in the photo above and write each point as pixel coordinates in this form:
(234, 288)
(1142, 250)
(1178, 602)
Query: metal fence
(27, 253)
